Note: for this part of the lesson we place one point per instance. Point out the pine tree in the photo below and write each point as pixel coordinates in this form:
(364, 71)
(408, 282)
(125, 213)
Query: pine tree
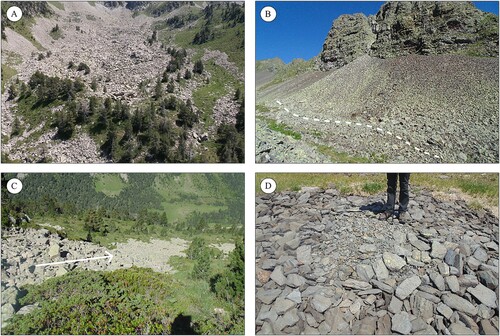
(237, 94)
(198, 67)
(158, 90)
(16, 128)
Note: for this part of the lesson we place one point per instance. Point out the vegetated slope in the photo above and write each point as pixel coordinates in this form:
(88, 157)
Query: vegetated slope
(112, 82)
(438, 102)
(123, 299)
(176, 197)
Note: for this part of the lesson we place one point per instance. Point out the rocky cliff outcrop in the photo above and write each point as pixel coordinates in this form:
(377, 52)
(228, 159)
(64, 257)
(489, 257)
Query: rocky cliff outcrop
(411, 27)
(350, 37)
(434, 28)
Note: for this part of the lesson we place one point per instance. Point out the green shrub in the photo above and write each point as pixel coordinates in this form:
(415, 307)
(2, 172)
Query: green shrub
(127, 301)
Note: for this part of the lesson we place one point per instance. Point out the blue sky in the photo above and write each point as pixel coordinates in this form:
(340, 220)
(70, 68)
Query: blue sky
(300, 28)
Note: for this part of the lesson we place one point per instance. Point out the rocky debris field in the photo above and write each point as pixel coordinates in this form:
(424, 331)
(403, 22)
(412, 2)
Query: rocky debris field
(274, 147)
(23, 249)
(325, 264)
(446, 105)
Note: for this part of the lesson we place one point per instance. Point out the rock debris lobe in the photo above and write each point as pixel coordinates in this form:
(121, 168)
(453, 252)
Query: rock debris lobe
(325, 264)
(22, 250)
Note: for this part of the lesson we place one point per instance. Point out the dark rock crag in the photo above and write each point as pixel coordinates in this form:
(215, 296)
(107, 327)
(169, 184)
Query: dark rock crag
(411, 27)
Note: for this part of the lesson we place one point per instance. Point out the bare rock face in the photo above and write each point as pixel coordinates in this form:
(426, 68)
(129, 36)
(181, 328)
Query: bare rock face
(350, 37)
(421, 27)
(411, 27)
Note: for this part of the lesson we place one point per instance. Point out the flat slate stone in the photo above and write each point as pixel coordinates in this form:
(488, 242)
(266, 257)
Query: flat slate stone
(457, 303)
(444, 310)
(278, 276)
(383, 286)
(381, 271)
(295, 296)
(356, 284)
(384, 325)
(484, 295)
(418, 324)
(480, 254)
(304, 254)
(268, 296)
(407, 287)
(287, 320)
(365, 272)
(320, 303)
(452, 283)
(53, 251)
(458, 329)
(368, 248)
(401, 323)
(295, 280)
(438, 280)
(395, 306)
(438, 250)
(393, 262)
(486, 328)
(293, 244)
(282, 305)
(366, 326)
(488, 279)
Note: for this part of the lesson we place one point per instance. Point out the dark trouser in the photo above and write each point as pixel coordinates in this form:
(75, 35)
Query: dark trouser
(404, 191)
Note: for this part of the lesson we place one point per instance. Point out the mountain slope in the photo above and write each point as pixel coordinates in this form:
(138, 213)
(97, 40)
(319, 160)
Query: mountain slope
(94, 82)
(400, 107)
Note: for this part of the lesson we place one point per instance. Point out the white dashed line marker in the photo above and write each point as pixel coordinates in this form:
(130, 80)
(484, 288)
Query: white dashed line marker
(338, 122)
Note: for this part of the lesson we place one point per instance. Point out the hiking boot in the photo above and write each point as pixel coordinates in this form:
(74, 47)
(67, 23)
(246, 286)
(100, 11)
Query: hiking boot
(404, 217)
(385, 215)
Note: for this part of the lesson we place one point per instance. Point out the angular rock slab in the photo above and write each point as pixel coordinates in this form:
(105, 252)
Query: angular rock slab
(484, 295)
(401, 323)
(407, 287)
(457, 303)
(393, 262)
(356, 284)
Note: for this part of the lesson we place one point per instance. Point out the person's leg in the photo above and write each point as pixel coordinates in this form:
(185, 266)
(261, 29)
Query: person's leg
(392, 184)
(404, 191)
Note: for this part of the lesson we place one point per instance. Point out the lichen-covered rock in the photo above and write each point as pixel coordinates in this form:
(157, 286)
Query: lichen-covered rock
(349, 38)
(425, 27)
(411, 27)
